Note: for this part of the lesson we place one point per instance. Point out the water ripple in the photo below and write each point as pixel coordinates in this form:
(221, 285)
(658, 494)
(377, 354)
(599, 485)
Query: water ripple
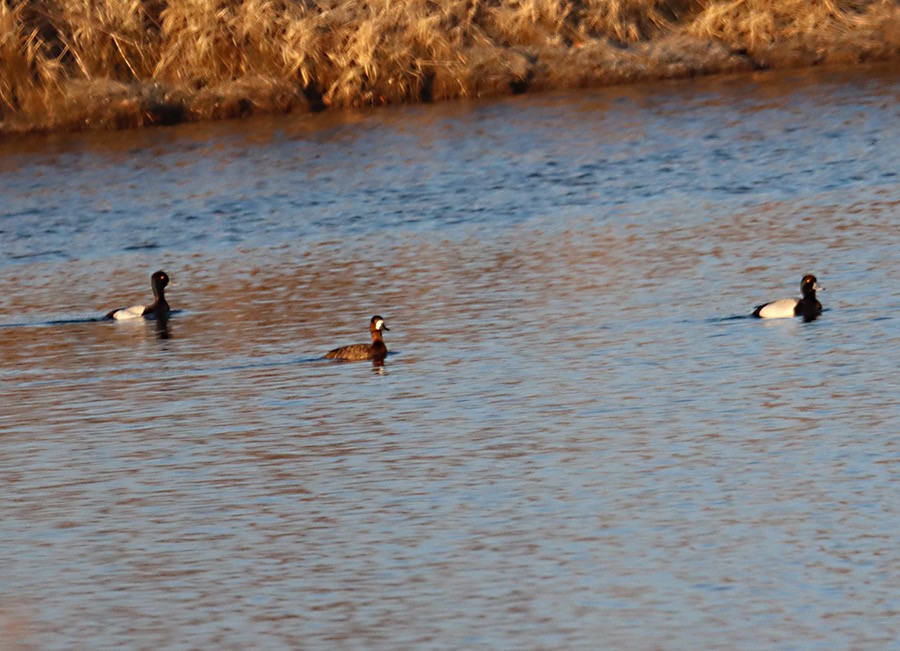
(580, 439)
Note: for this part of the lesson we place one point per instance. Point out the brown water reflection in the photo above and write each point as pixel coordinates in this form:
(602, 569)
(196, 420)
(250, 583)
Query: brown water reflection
(574, 442)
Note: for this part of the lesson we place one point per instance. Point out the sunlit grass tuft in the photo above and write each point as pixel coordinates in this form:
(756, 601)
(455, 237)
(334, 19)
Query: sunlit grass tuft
(29, 75)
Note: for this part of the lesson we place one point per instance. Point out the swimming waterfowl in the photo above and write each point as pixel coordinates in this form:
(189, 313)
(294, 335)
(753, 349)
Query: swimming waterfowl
(376, 350)
(158, 309)
(808, 306)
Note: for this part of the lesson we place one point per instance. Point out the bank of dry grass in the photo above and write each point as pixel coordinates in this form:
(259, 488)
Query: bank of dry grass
(69, 64)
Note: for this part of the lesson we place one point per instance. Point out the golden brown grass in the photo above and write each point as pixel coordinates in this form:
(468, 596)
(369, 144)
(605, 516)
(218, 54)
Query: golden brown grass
(67, 64)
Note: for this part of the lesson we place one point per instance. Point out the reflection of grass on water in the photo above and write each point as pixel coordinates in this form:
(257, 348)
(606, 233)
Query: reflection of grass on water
(68, 64)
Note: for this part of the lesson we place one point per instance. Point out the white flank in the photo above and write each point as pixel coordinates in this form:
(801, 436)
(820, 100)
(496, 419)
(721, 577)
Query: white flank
(132, 312)
(782, 309)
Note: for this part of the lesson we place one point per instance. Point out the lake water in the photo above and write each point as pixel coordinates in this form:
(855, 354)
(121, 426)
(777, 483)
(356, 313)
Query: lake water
(578, 441)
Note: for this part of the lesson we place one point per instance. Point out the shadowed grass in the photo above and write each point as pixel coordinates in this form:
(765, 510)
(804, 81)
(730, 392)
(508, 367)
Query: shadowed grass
(69, 64)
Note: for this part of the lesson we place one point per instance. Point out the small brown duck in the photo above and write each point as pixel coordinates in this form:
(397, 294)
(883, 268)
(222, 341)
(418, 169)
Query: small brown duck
(158, 309)
(376, 350)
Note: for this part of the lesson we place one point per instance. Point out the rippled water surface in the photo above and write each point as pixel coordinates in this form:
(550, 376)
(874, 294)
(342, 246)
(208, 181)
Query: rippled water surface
(578, 441)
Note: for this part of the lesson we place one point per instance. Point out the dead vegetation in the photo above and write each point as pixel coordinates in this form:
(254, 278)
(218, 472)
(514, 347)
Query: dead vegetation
(70, 64)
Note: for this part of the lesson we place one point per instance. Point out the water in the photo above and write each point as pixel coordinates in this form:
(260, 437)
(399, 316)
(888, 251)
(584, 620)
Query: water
(578, 441)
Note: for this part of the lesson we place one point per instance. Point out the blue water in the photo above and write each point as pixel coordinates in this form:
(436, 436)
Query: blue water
(578, 440)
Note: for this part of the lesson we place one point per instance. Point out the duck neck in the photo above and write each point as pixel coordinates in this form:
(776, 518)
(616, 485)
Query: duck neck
(159, 295)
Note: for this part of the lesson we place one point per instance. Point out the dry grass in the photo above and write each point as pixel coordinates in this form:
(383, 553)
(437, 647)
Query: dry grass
(29, 76)
(635, 20)
(113, 63)
(791, 32)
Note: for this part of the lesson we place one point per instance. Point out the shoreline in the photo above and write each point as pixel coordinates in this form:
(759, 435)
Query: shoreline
(402, 65)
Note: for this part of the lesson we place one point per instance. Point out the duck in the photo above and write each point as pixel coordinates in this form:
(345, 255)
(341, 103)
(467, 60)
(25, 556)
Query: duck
(376, 350)
(807, 306)
(158, 309)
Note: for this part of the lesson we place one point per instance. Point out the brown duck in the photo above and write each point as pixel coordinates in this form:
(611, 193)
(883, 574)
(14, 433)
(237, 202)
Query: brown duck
(376, 350)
